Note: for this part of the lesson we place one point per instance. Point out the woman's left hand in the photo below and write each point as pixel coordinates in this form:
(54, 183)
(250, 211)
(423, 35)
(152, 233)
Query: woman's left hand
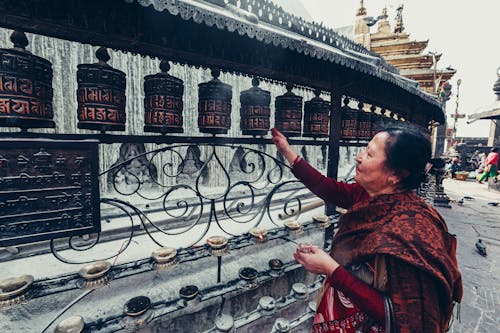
(315, 260)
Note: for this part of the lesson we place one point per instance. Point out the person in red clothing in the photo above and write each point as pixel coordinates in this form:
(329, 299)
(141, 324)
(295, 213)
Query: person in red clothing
(392, 265)
(491, 163)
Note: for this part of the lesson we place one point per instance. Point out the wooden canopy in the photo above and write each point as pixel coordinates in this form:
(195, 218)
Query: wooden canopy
(262, 40)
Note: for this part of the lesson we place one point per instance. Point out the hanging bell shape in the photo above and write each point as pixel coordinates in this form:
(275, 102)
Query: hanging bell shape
(163, 102)
(364, 123)
(214, 105)
(255, 111)
(316, 117)
(349, 122)
(101, 95)
(25, 87)
(288, 116)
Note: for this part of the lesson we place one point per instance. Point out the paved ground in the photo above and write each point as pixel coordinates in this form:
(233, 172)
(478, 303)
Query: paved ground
(474, 219)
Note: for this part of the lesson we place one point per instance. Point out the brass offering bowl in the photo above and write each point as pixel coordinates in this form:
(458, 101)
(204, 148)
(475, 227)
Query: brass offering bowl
(95, 275)
(276, 266)
(137, 313)
(258, 234)
(299, 290)
(73, 324)
(15, 290)
(164, 257)
(137, 306)
(322, 220)
(267, 305)
(248, 275)
(293, 227)
(218, 245)
(189, 293)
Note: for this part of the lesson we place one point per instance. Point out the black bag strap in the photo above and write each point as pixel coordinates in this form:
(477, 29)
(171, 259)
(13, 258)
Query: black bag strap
(390, 321)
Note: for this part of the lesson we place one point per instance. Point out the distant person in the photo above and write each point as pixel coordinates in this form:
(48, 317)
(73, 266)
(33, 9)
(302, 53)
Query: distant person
(456, 165)
(491, 168)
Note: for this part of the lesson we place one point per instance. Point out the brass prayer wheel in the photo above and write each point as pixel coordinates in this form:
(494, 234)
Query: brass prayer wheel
(288, 116)
(163, 102)
(25, 87)
(364, 123)
(349, 122)
(101, 95)
(214, 105)
(316, 117)
(255, 111)
(376, 120)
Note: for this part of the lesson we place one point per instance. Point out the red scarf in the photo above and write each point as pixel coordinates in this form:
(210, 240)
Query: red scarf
(405, 227)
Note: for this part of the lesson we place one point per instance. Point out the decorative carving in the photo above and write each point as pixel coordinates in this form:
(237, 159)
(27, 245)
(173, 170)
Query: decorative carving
(190, 166)
(132, 167)
(43, 199)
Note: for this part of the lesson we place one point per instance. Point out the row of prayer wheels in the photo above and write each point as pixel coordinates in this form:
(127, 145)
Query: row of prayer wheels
(358, 124)
(26, 101)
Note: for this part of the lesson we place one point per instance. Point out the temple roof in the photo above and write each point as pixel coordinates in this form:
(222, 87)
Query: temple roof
(427, 71)
(260, 40)
(392, 47)
(491, 111)
(409, 61)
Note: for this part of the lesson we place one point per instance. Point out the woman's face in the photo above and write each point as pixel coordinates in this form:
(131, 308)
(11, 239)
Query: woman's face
(371, 172)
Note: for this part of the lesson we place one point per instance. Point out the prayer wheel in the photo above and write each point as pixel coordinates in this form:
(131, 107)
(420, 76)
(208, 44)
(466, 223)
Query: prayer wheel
(214, 105)
(255, 111)
(316, 117)
(376, 120)
(25, 87)
(288, 116)
(163, 102)
(101, 95)
(349, 122)
(364, 123)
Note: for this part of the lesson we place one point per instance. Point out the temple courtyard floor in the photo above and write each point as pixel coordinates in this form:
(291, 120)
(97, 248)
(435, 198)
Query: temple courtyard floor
(476, 218)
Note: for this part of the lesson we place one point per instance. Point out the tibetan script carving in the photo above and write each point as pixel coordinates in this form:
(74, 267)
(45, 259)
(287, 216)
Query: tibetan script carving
(48, 189)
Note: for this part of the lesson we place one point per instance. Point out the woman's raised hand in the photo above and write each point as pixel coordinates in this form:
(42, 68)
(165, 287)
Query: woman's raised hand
(283, 146)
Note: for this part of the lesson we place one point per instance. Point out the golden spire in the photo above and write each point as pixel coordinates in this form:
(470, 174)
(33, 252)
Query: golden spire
(384, 13)
(399, 27)
(362, 9)
(383, 23)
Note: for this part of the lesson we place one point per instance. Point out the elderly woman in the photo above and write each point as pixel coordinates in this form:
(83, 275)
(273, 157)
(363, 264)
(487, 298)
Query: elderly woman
(392, 266)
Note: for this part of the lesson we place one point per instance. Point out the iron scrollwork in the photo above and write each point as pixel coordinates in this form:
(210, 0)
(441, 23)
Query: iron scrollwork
(176, 189)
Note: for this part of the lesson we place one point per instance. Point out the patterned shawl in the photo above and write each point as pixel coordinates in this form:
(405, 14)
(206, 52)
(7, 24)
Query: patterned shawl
(402, 226)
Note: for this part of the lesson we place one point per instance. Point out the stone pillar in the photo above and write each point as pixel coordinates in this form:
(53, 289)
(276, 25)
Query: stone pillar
(440, 134)
(435, 191)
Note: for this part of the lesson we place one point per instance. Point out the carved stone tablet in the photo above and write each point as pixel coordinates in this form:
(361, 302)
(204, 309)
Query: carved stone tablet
(48, 189)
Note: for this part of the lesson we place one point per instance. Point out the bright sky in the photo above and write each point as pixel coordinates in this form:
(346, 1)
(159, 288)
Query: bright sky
(465, 32)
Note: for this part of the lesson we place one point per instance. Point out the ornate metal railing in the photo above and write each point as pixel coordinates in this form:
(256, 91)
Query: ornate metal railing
(175, 187)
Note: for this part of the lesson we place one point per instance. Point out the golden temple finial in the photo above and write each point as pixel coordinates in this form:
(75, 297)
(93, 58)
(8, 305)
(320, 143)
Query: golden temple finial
(384, 13)
(362, 9)
(399, 27)
(383, 24)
